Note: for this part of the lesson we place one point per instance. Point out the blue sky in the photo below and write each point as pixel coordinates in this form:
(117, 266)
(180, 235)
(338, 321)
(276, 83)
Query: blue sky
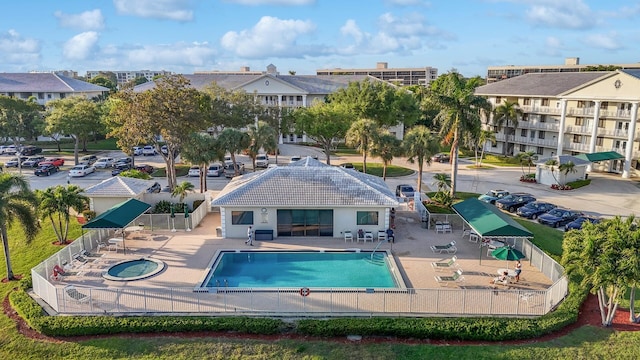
(305, 35)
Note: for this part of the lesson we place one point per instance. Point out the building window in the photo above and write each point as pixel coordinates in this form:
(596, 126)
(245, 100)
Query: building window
(583, 104)
(540, 134)
(498, 99)
(523, 148)
(494, 144)
(579, 122)
(367, 217)
(523, 132)
(242, 217)
(599, 141)
(48, 96)
(577, 139)
(604, 105)
(525, 117)
(41, 96)
(540, 150)
(527, 101)
(545, 102)
(601, 123)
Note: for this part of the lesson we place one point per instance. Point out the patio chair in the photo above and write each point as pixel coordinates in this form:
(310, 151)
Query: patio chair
(73, 293)
(348, 236)
(454, 278)
(451, 263)
(100, 245)
(446, 228)
(360, 236)
(449, 248)
(439, 227)
(368, 236)
(382, 235)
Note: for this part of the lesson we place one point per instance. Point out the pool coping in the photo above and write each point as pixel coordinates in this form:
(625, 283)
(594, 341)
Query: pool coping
(394, 271)
(161, 266)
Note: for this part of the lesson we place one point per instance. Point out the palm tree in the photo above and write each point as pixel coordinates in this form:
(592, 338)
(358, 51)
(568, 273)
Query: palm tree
(506, 116)
(201, 150)
(442, 181)
(262, 136)
(566, 169)
(361, 135)
(233, 141)
(17, 202)
(484, 137)
(460, 111)
(551, 165)
(386, 146)
(526, 158)
(182, 190)
(419, 145)
(56, 203)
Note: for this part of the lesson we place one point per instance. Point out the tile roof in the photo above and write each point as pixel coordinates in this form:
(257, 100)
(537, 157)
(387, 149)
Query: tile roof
(540, 84)
(119, 186)
(44, 82)
(307, 183)
(563, 159)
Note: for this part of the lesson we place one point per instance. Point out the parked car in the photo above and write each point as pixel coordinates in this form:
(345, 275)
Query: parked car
(164, 149)
(120, 167)
(33, 161)
(14, 162)
(148, 150)
(56, 161)
(405, 191)
(579, 222)
(81, 170)
(194, 171)
(262, 161)
(88, 160)
(136, 150)
(441, 158)
(512, 202)
(227, 160)
(124, 160)
(492, 195)
(347, 166)
(144, 168)
(231, 171)
(30, 150)
(10, 150)
(155, 188)
(104, 163)
(3, 149)
(295, 158)
(45, 169)
(215, 170)
(558, 217)
(534, 209)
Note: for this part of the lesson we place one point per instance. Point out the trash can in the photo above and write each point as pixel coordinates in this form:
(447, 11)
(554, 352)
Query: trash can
(219, 231)
(586, 176)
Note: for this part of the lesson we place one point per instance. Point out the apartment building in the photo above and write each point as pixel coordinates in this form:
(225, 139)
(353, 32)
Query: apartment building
(572, 64)
(124, 77)
(45, 87)
(571, 114)
(400, 76)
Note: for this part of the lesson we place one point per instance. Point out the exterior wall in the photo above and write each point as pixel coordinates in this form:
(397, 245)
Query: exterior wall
(43, 98)
(544, 176)
(102, 204)
(343, 219)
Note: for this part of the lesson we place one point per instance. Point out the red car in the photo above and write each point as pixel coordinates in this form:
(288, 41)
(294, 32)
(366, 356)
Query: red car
(144, 168)
(57, 162)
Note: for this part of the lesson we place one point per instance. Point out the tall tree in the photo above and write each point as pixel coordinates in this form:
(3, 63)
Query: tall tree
(419, 145)
(386, 146)
(324, 123)
(460, 111)
(526, 158)
(201, 150)
(567, 168)
(233, 141)
(182, 190)
(552, 165)
(506, 116)
(230, 108)
(20, 119)
(76, 117)
(442, 181)
(167, 114)
(56, 203)
(17, 203)
(261, 137)
(484, 137)
(361, 135)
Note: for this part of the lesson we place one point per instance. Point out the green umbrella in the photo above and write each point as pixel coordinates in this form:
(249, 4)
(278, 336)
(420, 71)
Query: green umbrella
(186, 217)
(173, 211)
(507, 253)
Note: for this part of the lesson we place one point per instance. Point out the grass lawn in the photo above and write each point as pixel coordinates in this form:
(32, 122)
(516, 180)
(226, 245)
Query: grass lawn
(500, 160)
(376, 169)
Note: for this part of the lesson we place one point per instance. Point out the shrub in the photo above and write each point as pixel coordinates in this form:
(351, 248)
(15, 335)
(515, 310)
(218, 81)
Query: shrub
(88, 214)
(579, 183)
(162, 207)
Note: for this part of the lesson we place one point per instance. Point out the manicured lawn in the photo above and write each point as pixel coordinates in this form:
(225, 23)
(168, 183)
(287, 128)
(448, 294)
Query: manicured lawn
(376, 169)
(500, 160)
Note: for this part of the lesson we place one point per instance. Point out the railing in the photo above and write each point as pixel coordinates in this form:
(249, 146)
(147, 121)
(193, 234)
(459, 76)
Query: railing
(535, 141)
(540, 109)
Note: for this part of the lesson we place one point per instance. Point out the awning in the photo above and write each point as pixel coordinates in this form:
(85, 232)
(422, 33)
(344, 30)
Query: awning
(600, 156)
(487, 220)
(118, 216)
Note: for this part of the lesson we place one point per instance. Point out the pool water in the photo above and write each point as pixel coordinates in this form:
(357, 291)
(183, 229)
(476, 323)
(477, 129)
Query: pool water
(134, 269)
(260, 269)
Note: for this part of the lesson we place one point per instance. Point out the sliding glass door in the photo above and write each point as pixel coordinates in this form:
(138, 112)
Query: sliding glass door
(305, 222)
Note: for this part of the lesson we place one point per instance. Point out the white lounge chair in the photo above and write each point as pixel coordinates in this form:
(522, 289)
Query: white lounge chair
(348, 236)
(449, 248)
(449, 264)
(73, 293)
(454, 278)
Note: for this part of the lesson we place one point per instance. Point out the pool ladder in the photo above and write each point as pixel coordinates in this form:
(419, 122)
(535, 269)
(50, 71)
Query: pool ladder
(378, 258)
(226, 283)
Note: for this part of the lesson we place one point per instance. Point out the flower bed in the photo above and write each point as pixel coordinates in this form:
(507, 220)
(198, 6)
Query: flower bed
(561, 187)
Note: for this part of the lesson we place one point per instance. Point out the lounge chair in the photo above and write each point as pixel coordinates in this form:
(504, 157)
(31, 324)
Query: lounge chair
(454, 278)
(73, 293)
(449, 248)
(368, 236)
(348, 236)
(451, 263)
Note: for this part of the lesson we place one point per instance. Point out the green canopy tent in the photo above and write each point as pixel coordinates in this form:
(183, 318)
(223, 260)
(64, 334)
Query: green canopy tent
(600, 156)
(488, 221)
(119, 216)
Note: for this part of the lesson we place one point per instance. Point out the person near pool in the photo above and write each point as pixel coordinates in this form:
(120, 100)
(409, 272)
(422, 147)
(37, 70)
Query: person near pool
(518, 270)
(249, 236)
(390, 236)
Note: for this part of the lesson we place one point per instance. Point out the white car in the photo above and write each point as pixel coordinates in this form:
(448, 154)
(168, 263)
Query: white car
(215, 170)
(104, 163)
(227, 160)
(262, 161)
(194, 171)
(81, 170)
(148, 150)
(295, 158)
(136, 150)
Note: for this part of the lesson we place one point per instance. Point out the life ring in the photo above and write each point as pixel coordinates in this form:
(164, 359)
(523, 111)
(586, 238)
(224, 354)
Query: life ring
(305, 291)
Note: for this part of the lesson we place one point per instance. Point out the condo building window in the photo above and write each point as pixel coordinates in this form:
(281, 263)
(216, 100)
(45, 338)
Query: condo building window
(527, 101)
(604, 105)
(601, 123)
(599, 141)
(577, 139)
(523, 132)
(525, 117)
(545, 102)
(541, 134)
(523, 148)
(540, 150)
(579, 122)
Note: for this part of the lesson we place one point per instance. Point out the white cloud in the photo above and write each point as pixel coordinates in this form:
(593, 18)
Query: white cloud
(607, 42)
(567, 14)
(88, 20)
(272, 2)
(178, 10)
(270, 37)
(408, 3)
(350, 28)
(81, 46)
(177, 54)
(15, 49)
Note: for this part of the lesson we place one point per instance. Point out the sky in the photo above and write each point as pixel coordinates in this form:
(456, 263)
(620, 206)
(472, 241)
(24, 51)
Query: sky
(184, 36)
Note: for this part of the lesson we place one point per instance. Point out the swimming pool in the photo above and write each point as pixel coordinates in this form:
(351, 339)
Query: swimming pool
(134, 269)
(298, 269)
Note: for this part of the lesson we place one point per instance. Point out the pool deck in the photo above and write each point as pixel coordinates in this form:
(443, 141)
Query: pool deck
(187, 255)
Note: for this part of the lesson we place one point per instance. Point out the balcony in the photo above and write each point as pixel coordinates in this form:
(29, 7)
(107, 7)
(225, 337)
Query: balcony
(577, 147)
(536, 142)
(620, 114)
(578, 130)
(541, 109)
